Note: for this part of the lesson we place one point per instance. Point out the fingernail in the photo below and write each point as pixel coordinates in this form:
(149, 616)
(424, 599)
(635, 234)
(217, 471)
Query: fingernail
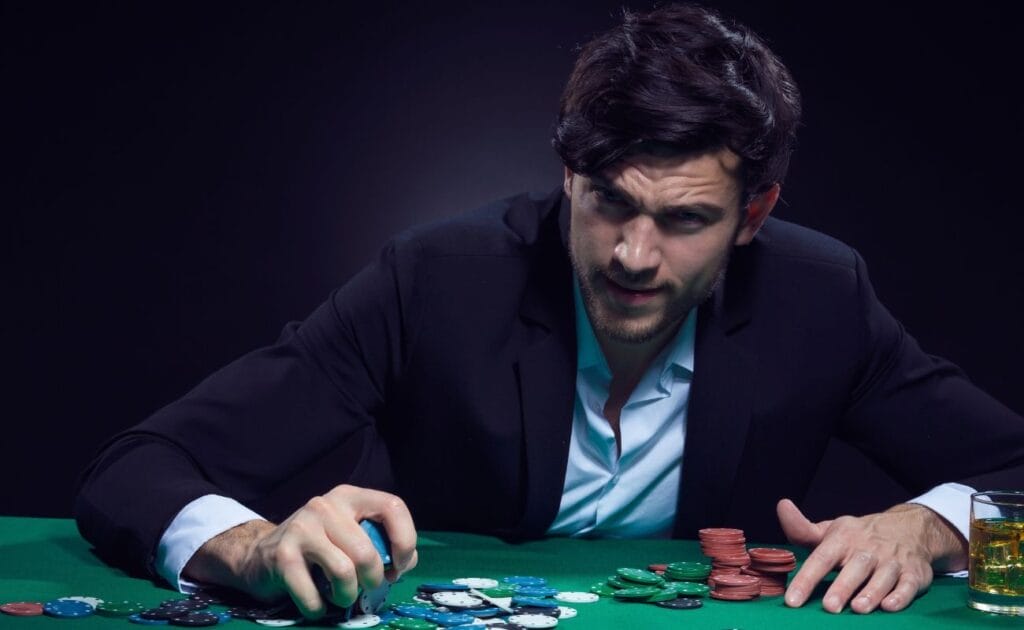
(794, 596)
(832, 603)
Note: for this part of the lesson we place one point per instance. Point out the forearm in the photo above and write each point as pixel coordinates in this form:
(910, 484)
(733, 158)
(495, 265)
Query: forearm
(222, 559)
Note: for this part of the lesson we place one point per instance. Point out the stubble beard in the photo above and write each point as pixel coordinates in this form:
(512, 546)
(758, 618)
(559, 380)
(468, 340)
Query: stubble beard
(620, 328)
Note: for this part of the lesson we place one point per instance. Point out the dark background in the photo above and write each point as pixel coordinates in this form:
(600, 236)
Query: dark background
(181, 179)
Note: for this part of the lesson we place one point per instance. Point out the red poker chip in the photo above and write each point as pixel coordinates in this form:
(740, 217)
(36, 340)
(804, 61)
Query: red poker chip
(719, 531)
(657, 567)
(773, 568)
(22, 609)
(737, 580)
(733, 597)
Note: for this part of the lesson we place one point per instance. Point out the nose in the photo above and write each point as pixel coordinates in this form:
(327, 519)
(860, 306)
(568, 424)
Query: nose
(638, 250)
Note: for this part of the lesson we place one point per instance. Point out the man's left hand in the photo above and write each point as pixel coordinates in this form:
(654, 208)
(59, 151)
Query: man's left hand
(884, 559)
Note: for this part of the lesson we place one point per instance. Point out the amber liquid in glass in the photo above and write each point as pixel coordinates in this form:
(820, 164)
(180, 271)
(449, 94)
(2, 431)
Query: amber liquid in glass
(996, 581)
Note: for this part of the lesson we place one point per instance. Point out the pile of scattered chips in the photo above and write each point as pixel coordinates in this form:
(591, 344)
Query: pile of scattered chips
(680, 590)
(514, 602)
(739, 574)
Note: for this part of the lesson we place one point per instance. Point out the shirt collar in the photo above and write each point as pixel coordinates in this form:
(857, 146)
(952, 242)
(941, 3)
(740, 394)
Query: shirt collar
(679, 352)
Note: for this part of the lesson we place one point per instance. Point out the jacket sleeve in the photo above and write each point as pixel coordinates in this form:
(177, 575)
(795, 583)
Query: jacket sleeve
(920, 418)
(261, 420)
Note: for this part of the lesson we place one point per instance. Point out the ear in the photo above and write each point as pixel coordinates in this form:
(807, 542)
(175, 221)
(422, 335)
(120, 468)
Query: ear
(567, 182)
(755, 214)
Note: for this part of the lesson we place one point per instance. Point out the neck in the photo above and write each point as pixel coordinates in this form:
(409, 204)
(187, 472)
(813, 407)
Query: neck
(629, 360)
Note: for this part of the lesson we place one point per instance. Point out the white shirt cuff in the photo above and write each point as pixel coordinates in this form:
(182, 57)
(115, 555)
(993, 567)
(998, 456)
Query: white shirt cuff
(951, 501)
(196, 523)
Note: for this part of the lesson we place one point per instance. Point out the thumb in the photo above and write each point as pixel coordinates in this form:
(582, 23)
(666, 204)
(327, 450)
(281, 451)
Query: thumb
(797, 528)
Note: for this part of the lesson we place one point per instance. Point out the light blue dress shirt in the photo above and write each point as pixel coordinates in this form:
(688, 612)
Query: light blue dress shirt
(631, 494)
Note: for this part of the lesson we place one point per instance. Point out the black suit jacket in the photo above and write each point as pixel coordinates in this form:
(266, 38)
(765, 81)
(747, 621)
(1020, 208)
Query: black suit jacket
(445, 372)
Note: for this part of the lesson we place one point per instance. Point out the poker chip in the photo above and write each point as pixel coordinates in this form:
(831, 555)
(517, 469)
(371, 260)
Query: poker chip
(616, 582)
(92, 601)
(533, 621)
(502, 590)
(139, 619)
(454, 599)
(536, 602)
(408, 623)
(452, 619)
(196, 619)
(476, 582)
(362, 621)
(67, 609)
(412, 611)
(736, 587)
(537, 591)
(536, 610)
(566, 612)
(639, 576)
(22, 609)
(689, 589)
(639, 593)
(681, 603)
(119, 609)
(277, 623)
(525, 580)
(602, 589)
(577, 597)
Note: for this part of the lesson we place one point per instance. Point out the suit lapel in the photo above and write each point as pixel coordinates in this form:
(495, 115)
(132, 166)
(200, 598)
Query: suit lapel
(547, 377)
(719, 410)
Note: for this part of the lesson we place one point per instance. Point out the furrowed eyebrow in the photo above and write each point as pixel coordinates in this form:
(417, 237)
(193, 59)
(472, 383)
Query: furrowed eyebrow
(701, 206)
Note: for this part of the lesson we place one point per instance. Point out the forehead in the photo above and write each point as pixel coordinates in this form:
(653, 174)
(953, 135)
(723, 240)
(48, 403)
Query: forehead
(657, 178)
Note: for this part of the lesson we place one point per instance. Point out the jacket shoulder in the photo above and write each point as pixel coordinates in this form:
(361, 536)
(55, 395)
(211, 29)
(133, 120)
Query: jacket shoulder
(784, 240)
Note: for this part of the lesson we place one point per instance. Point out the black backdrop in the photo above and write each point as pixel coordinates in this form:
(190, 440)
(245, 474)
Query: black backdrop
(183, 178)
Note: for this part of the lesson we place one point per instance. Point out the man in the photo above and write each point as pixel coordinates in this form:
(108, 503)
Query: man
(641, 353)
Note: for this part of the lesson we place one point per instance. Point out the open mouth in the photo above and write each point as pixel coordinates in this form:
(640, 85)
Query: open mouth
(631, 296)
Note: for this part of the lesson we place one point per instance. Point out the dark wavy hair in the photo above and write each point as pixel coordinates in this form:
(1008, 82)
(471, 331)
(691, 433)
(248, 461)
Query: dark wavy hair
(680, 78)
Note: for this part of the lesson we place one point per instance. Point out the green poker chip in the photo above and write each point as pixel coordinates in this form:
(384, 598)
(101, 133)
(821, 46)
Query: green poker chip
(637, 594)
(501, 591)
(120, 609)
(639, 576)
(617, 582)
(663, 595)
(689, 589)
(602, 589)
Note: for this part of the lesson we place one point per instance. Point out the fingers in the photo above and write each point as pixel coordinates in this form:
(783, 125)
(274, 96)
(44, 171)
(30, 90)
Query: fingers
(798, 529)
(818, 564)
(321, 554)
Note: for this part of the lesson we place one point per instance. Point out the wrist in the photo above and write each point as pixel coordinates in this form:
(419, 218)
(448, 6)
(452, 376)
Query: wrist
(945, 544)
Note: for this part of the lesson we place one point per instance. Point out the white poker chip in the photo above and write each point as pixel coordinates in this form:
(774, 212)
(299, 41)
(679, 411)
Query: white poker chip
(373, 601)
(92, 601)
(422, 600)
(487, 622)
(577, 597)
(476, 582)
(533, 621)
(362, 621)
(277, 623)
(566, 613)
(456, 599)
(501, 602)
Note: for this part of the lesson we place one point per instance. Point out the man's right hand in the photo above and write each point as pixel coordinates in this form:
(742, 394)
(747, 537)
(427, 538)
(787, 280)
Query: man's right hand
(268, 561)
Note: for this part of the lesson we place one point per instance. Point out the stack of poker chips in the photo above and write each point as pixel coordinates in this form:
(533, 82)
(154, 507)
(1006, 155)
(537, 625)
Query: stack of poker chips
(730, 558)
(772, 567)
(736, 588)
(727, 549)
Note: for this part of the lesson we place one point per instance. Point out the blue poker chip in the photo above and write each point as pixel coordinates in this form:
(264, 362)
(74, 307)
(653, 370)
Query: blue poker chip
(223, 615)
(379, 539)
(487, 613)
(525, 580)
(537, 591)
(387, 617)
(450, 619)
(139, 619)
(67, 608)
(534, 602)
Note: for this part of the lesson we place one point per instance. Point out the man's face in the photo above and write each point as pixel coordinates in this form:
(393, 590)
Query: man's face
(650, 238)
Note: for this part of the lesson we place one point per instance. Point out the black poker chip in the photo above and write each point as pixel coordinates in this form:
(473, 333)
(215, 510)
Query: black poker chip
(162, 614)
(196, 619)
(536, 610)
(504, 626)
(183, 604)
(681, 603)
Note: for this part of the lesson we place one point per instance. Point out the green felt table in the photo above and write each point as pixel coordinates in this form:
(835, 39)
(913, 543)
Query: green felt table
(42, 559)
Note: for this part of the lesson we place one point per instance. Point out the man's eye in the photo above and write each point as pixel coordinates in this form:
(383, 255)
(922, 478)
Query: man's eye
(684, 221)
(608, 195)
